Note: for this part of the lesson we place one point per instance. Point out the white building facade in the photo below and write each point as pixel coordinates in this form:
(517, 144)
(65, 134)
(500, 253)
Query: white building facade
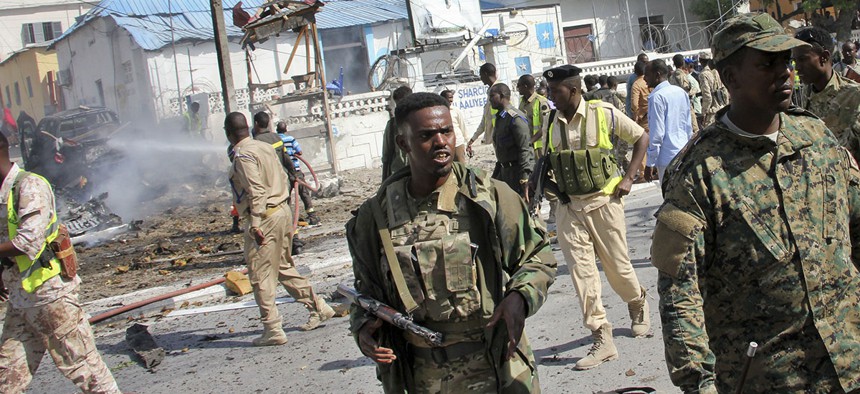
(36, 21)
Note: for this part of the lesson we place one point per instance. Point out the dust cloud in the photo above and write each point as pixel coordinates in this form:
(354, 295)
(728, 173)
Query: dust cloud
(162, 168)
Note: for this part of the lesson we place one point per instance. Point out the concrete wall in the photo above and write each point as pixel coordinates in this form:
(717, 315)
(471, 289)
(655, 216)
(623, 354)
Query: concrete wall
(525, 42)
(32, 65)
(613, 24)
(16, 13)
(101, 54)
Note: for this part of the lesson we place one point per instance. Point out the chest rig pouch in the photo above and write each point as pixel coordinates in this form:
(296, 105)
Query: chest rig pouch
(436, 261)
(586, 170)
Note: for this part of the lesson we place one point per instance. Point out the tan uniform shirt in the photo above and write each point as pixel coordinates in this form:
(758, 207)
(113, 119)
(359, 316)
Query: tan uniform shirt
(639, 101)
(459, 126)
(486, 125)
(618, 123)
(35, 209)
(258, 180)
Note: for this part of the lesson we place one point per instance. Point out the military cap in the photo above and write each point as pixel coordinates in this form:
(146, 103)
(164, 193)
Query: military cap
(561, 72)
(704, 55)
(756, 30)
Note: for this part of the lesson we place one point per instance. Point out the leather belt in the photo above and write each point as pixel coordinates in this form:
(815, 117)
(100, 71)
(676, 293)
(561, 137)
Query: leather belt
(271, 211)
(441, 355)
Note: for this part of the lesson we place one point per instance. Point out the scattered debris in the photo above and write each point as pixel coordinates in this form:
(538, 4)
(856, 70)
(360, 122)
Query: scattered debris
(225, 307)
(143, 344)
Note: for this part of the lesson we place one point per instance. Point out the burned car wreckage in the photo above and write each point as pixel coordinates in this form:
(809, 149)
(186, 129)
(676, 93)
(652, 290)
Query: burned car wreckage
(68, 148)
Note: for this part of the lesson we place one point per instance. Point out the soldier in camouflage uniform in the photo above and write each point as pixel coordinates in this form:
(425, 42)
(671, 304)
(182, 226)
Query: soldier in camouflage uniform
(458, 252)
(830, 96)
(757, 237)
(44, 312)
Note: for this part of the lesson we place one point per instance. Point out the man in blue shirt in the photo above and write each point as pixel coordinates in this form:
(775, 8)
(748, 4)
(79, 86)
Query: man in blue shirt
(669, 119)
(291, 146)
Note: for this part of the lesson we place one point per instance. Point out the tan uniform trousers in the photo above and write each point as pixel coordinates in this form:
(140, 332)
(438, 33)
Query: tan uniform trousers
(602, 230)
(61, 328)
(271, 263)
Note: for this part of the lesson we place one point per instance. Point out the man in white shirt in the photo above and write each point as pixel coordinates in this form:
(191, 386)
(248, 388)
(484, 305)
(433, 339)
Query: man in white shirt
(459, 127)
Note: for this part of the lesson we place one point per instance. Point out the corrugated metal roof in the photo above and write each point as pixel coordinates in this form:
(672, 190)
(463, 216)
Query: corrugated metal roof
(148, 21)
(347, 13)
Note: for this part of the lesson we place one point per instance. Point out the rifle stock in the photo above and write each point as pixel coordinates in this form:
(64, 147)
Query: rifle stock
(390, 315)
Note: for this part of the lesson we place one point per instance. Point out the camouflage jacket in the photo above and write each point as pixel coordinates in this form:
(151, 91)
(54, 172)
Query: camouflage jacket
(513, 255)
(838, 105)
(759, 241)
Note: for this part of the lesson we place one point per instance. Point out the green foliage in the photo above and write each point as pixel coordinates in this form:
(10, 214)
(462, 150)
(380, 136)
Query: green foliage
(709, 10)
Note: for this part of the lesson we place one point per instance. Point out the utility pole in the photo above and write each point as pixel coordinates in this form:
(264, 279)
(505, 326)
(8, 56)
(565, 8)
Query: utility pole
(225, 71)
(175, 61)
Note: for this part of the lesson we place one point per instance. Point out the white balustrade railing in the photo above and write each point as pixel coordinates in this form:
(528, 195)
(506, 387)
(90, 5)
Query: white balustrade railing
(624, 66)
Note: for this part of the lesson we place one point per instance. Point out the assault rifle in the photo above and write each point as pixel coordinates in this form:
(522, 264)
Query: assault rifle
(541, 181)
(390, 315)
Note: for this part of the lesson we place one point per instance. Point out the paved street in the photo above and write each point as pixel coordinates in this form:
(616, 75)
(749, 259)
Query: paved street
(210, 353)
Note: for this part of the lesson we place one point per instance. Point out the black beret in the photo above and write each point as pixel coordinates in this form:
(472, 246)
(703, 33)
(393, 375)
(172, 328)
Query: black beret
(561, 73)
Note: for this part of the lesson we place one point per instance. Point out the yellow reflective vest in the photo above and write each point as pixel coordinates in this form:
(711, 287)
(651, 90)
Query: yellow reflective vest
(33, 272)
(604, 140)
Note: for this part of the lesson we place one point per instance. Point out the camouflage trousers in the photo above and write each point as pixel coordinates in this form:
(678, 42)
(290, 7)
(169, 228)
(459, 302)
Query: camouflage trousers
(271, 263)
(468, 374)
(474, 373)
(62, 329)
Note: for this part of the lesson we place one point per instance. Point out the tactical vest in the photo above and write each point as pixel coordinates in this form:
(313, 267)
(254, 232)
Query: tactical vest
(33, 272)
(585, 171)
(435, 262)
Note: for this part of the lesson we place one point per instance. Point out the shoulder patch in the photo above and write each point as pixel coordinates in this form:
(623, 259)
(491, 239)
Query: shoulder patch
(674, 237)
(680, 221)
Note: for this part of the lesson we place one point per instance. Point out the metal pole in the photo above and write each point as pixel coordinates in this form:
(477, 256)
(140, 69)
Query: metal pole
(225, 70)
(411, 24)
(190, 70)
(648, 24)
(175, 61)
(686, 26)
(596, 31)
(630, 24)
(158, 84)
(720, 10)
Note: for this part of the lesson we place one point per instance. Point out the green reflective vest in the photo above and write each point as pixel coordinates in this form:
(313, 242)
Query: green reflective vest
(33, 272)
(604, 140)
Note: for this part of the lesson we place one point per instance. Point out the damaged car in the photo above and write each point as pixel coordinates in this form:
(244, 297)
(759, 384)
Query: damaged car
(68, 146)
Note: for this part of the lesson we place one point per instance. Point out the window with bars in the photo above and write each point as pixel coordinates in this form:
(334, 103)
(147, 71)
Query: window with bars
(34, 33)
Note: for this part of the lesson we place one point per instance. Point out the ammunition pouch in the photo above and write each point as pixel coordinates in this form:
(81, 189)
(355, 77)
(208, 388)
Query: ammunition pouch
(583, 171)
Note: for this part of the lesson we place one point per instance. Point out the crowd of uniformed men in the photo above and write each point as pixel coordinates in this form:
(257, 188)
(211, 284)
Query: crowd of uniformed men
(755, 240)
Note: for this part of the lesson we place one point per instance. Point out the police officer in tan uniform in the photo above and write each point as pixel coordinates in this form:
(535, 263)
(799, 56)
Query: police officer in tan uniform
(260, 194)
(593, 222)
(43, 311)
